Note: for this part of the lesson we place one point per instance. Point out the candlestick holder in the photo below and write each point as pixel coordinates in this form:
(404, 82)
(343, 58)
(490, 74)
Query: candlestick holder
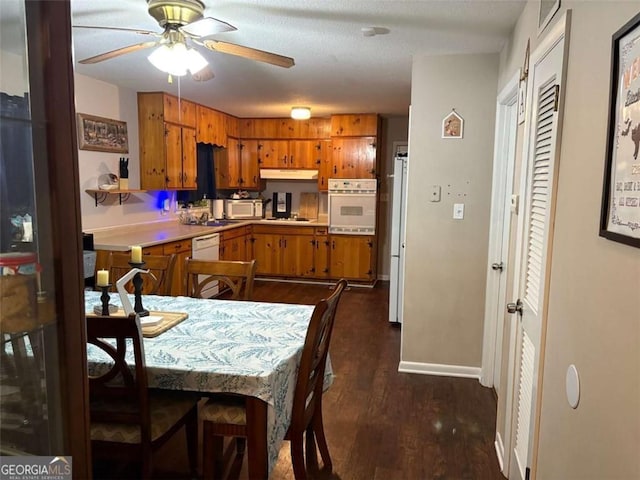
(137, 290)
(105, 298)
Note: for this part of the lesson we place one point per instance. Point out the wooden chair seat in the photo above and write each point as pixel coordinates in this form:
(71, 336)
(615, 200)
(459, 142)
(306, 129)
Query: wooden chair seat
(226, 416)
(236, 275)
(165, 411)
(127, 419)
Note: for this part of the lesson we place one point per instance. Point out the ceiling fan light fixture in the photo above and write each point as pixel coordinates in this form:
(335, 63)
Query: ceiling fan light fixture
(300, 113)
(176, 59)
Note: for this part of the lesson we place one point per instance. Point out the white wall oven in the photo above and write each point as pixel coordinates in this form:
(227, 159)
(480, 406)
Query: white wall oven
(352, 206)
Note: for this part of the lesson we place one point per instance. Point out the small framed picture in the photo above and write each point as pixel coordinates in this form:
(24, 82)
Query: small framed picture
(452, 125)
(547, 10)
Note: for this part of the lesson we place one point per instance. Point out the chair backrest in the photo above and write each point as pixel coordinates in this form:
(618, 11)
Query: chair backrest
(118, 395)
(233, 274)
(161, 267)
(308, 392)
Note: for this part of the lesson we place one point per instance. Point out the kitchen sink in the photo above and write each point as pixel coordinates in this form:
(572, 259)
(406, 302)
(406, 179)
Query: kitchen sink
(219, 223)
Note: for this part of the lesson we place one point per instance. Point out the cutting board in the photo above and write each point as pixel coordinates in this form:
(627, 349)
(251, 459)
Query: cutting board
(308, 205)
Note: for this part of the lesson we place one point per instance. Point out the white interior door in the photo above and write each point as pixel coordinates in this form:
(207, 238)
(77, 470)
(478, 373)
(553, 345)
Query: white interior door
(535, 234)
(501, 189)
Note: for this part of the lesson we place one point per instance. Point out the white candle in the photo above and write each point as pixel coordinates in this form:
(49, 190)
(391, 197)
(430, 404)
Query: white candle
(103, 278)
(136, 254)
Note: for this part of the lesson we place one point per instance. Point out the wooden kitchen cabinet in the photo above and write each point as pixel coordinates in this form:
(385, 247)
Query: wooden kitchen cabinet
(257, 128)
(167, 142)
(273, 153)
(237, 165)
(249, 166)
(235, 244)
(352, 257)
(182, 249)
(325, 167)
(211, 126)
(321, 254)
(176, 110)
(284, 251)
(302, 154)
(354, 157)
(355, 125)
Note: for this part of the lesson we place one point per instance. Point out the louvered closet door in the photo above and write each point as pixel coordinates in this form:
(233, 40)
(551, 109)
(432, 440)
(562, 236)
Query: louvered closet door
(534, 259)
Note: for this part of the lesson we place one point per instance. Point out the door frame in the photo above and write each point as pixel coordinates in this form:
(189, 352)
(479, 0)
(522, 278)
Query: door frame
(500, 226)
(560, 31)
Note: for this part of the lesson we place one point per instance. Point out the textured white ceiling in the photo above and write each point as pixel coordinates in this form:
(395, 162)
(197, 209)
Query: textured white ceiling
(337, 68)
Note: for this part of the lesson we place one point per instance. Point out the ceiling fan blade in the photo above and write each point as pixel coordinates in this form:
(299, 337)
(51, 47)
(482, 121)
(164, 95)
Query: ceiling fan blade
(116, 53)
(203, 75)
(248, 52)
(206, 27)
(134, 30)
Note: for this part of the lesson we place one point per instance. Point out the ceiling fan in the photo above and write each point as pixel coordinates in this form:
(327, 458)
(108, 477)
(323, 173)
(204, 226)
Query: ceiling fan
(184, 24)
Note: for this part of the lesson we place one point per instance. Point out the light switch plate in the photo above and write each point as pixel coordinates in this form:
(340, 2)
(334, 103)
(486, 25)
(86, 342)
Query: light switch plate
(458, 211)
(435, 193)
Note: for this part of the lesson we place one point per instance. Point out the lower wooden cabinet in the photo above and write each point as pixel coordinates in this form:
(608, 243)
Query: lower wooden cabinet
(321, 254)
(182, 249)
(235, 244)
(352, 257)
(285, 251)
(309, 252)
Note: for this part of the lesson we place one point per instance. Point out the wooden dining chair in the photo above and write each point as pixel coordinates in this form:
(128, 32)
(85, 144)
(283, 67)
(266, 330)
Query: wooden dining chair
(128, 420)
(233, 274)
(226, 416)
(161, 266)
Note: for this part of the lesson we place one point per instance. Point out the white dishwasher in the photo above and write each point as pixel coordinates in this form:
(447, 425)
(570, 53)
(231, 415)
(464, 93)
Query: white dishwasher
(206, 247)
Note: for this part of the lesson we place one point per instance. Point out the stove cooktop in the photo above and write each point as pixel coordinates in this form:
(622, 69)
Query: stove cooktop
(297, 219)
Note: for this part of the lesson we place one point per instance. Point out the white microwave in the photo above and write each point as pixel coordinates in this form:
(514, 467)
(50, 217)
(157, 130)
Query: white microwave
(243, 209)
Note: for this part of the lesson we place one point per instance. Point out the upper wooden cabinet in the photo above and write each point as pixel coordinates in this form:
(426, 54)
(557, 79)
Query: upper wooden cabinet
(212, 126)
(354, 157)
(167, 142)
(303, 154)
(176, 110)
(325, 167)
(284, 128)
(237, 165)
(366, 124)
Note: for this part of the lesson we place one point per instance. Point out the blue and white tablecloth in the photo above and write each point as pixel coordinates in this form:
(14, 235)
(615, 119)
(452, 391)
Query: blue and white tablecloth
(248, 348)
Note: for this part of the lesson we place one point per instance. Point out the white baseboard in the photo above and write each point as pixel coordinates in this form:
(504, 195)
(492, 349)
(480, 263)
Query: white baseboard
(499, 450)
(442, 370)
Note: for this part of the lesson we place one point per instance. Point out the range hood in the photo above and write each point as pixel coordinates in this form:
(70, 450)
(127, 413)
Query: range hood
(288, 174)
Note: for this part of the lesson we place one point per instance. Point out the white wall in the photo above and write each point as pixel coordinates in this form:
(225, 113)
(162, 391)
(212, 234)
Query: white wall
(99, 98)
(13, 74)
(446, 259)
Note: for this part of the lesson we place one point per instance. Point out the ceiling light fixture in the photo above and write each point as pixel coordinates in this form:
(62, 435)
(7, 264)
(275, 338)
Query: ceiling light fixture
(176, 59)
(300, 113)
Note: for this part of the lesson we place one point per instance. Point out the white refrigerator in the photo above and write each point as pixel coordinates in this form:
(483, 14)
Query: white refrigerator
(398, 229)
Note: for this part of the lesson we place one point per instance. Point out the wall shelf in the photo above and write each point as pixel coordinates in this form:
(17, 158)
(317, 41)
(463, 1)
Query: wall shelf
(101, 195)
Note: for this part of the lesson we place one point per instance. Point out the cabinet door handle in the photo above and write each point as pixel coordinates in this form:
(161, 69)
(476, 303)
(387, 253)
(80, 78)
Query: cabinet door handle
(284, 159)
(291, 159)
(335, 169)
(333, 244)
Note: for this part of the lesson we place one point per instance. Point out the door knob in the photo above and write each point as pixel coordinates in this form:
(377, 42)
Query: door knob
(497, 266)
(515, 307)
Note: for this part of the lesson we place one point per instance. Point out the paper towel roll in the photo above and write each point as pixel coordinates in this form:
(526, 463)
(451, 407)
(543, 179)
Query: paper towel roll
(218, 209)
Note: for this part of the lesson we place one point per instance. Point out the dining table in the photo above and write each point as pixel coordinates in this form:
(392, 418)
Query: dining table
(247, 348)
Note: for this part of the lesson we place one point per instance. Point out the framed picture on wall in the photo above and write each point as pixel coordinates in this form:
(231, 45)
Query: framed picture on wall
(452, 125)
(620, 214)
(546, 11)
(102, 134)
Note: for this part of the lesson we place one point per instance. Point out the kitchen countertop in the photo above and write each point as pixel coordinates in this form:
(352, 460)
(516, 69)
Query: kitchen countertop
(156, 233)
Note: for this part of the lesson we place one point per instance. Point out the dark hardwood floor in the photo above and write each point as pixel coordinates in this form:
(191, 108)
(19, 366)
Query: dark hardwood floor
(381, 424)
